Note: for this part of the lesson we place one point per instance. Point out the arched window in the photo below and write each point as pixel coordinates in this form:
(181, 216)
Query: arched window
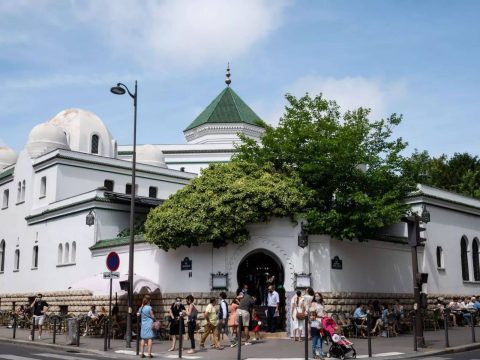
(66, 253)
(19, 192)
(475, 260)
(35, 257)
(5, 198)
(60, 254)
(440, 262)
(95, 144)
(43, 186)
(2, 256)
(74, 252)
(108, 184)
(464, 258)
(23, 190)
(16, 261)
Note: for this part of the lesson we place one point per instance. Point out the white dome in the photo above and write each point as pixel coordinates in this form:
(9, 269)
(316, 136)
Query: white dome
(150, 155)
(7, 157)
(81, 127)
(44, 138)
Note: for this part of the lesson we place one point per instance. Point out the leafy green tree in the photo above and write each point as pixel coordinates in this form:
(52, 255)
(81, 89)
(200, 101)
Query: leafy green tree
(350, 164)
(217, 206)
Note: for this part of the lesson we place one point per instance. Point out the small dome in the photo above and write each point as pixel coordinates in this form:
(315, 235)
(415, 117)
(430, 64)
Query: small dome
(7, 157)
(150, 155)
(44, 138)
(85, 131)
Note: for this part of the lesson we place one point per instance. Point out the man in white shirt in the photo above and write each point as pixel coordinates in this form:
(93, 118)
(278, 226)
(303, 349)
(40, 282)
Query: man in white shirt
(273, 300)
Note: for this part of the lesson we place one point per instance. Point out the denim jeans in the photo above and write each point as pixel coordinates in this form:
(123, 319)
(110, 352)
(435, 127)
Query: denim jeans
(316, 345)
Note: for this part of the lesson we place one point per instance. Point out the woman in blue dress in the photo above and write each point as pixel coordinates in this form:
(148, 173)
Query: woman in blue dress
(146, 332)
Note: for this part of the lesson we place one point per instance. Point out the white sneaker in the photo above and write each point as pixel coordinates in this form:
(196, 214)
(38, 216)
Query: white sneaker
(247, 343)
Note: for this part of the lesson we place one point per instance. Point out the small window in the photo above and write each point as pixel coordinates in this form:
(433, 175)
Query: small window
(35, 257)
(108, 184)
(74, 252)
(16, 260)
(43, 186)
(2, 256)
(66, 253)
(475, 260)
(440, 263)
(152, 192)
(95, 144)
(464, 258)
(6, 194)
(128, 189)
(60, 254)
(182, 169)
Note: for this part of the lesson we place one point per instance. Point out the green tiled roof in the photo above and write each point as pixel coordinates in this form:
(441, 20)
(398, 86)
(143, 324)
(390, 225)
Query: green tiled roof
(7, 173)
(120, 241)
(227, 107)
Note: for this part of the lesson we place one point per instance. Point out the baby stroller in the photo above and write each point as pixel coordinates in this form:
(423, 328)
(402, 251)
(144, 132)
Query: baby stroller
(340, 345)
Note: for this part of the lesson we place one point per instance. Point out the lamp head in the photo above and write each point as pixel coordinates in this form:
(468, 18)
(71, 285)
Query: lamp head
(117, 90)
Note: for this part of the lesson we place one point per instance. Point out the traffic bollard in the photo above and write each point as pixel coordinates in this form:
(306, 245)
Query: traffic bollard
(14, 325)
(369, 334)
(472, 323)
(414, 320)
(239, 335)
(139, 331)
(180, 337)
(54, 329)
(32, 335)
(445, 326)
(105, 336)
(306, 338)
(78, 332)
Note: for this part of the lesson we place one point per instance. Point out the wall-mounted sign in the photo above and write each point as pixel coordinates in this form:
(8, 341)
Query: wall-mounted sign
(337, 263)
(219, 281)
(186, 264)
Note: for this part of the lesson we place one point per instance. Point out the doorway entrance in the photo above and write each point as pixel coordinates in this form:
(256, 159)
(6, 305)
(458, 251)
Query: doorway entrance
(259, 268)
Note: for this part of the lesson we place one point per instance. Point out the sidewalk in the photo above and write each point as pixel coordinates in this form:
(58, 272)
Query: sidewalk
(399, 347)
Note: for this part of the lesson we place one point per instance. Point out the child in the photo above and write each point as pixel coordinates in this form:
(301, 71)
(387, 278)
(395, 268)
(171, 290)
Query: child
(315, 333)
(256, 326)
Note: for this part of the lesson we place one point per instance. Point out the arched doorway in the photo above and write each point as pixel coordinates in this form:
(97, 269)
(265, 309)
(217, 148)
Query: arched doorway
(258, 267)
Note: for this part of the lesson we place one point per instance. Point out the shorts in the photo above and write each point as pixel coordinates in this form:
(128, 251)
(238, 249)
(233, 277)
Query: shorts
(39, 319)
(245, 317)
(222, 327)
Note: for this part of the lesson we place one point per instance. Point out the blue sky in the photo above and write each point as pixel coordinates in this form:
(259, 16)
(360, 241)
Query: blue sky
(417, 58)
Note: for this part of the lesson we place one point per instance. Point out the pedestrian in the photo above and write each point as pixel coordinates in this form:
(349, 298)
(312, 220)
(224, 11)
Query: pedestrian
(176, 310)
(245, 306)
(191, 312)
(223, 317)
(257, 323)
(211, 318)
(146, 321)
(232, 319)
(40, 307)
(273, 301)
(297, 309)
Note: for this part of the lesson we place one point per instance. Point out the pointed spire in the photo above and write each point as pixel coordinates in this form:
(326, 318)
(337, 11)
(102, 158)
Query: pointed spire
(228, 81)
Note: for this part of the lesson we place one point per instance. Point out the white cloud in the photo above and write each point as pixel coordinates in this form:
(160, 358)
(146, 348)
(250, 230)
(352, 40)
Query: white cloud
(183, 33)
(353, 92)
(59, 80)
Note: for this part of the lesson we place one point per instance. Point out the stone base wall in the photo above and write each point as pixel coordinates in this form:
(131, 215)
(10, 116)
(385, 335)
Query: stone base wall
(79, 301)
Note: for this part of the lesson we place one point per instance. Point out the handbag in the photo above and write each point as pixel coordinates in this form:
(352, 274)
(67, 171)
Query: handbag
(156, 325)
(300, 315)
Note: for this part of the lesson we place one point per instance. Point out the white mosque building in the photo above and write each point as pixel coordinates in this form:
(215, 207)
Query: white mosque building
(71, 168)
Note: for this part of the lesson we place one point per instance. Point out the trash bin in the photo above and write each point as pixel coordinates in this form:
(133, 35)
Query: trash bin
(71, 333)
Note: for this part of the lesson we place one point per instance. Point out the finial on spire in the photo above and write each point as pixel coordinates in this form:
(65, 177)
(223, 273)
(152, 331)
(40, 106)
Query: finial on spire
(228, 81)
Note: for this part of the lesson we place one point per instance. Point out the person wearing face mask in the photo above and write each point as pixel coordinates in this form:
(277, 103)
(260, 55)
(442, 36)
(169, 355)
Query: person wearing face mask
(273, 301)
(176, 310)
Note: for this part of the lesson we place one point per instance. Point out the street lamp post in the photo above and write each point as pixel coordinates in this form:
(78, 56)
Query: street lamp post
(120, 90)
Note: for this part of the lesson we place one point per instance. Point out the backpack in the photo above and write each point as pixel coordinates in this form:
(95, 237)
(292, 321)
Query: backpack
(220, 313)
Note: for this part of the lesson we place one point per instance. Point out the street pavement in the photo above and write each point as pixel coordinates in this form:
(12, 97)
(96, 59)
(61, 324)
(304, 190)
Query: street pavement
(399, 347)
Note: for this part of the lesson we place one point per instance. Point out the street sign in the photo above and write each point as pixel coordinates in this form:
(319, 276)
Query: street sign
(113, 261)
(111, 275)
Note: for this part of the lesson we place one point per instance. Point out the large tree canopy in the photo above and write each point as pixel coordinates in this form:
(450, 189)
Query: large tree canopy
(460, 173)
(217, 206)
(342, 172)
(350, 163)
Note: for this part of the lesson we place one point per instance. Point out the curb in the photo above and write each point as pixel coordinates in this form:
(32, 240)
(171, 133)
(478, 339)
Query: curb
(69, 348)
(427, 353)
